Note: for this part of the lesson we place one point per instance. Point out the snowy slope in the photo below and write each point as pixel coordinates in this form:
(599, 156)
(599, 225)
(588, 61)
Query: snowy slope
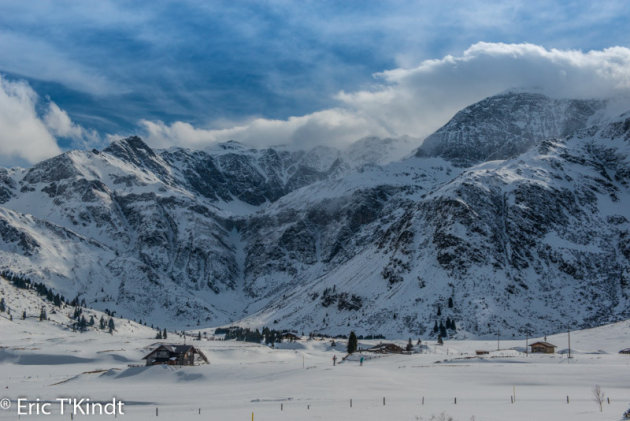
(296, 381)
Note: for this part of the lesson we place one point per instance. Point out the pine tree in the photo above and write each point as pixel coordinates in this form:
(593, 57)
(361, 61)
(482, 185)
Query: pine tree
(199, 336)
(101, 323)
(440, 341)
(164, 335)
(158, 335)
(42, 314)
(82, 324)
(111, 325)
(435, 327)
(453, 326)
(409, 347)
(352, 343)
(442, 330)
(450, 302)
(24, 315)
(439, 312)
(91, 322)
(3, 306)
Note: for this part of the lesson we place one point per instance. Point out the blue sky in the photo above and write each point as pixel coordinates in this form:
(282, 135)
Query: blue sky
(111, 65)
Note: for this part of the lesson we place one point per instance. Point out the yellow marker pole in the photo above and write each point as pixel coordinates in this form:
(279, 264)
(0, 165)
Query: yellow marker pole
(252, 416)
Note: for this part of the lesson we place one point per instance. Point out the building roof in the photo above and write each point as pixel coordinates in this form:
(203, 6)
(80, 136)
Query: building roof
(385, 348)
(178, 350)
(547, 344)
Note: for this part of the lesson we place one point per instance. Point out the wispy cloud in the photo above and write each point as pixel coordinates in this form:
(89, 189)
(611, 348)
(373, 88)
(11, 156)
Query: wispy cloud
(198, 61)
(275, 68)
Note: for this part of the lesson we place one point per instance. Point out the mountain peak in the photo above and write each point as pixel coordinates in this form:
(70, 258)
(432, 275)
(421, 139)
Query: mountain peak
(505, 125)
(129, 144)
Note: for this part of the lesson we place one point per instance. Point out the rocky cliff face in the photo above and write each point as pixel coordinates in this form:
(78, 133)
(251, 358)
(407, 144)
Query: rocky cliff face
(507, 125)
(314, 241)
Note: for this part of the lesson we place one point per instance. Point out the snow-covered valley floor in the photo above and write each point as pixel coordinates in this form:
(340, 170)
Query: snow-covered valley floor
(297, 381)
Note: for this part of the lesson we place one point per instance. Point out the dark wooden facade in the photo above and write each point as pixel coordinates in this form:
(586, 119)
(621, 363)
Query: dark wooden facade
(543, 348)
(174, 355)
(386, 348)
(288, 336)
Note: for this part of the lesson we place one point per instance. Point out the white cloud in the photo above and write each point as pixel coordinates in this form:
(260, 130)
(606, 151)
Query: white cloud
(419, 100)
(416, 101)
(329, 127)
(22, 133)
(27, 136)
(60, 125)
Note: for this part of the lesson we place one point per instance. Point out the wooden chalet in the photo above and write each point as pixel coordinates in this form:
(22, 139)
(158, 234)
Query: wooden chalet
(543, 348)
(288, 336)
(386, 348)
(170, 354)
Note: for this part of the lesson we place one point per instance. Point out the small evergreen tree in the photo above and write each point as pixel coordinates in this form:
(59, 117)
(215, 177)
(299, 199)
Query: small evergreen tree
(164, 336)
(435, 327)
(42, 314)
(439, 312)
(352, 343)
(24, 315)
(101, 323)
(158, 335)
(450, 302)
(3, 306)
(91, 322)
(442, 330)
(111, 325)
(199, 336)
(82, 324)
(440, 341)
(453, 325)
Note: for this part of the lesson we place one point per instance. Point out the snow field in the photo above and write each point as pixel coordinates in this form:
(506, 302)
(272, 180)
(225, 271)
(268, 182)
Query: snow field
(40, 360)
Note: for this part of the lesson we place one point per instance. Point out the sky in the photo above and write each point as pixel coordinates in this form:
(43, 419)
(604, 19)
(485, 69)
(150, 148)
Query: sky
(78, 74)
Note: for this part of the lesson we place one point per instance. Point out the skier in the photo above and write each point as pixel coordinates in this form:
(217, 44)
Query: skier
(334, 360)
(361, 361)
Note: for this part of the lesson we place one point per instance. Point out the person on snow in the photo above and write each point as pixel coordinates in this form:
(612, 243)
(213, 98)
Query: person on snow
(334, 360)
(361, 361)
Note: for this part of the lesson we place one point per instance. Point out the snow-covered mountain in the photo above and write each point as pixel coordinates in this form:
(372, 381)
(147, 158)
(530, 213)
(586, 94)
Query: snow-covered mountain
(327, 240)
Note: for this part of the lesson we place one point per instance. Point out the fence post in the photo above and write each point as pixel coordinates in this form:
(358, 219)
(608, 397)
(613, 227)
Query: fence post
(281, 406)
(567, 398)
(156, 412)
(350, 403)
(383, 400)
(423, 400)
(455, 400)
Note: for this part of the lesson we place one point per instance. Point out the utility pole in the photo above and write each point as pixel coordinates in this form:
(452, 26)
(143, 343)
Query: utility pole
(526, 345)
(498, 336)
(569, 337)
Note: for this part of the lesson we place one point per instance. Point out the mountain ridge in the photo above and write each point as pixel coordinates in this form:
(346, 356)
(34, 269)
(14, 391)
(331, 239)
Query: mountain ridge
(310, 241)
